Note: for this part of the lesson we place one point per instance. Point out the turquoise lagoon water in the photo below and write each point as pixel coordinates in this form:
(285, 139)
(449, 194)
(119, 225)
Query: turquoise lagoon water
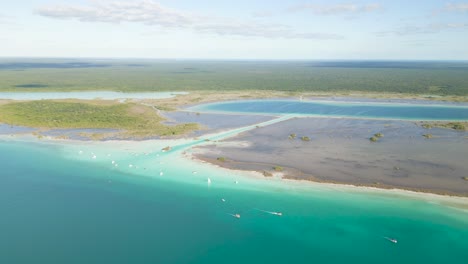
(59, 205)
(341, 109)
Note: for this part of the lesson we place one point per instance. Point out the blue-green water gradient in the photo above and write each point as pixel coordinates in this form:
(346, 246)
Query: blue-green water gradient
(59, 210)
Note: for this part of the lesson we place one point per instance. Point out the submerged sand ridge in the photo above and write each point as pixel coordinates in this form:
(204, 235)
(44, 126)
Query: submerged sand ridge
(339, 151)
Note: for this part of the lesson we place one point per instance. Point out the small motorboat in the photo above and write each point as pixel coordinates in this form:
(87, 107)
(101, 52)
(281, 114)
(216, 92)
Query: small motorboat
(394, 241)
(273, 213)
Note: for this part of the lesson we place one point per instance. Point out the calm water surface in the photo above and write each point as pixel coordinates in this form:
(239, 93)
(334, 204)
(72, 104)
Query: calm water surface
(342, 109)
(61, 210)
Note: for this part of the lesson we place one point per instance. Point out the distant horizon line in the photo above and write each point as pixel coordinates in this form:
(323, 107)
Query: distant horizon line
(231, 59)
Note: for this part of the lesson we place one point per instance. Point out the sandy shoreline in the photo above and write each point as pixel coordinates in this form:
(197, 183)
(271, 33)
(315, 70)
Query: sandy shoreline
(458, 202)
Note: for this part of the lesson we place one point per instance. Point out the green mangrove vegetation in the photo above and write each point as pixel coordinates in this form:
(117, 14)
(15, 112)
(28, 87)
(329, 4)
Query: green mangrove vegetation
(278, 168)
(428, 135)
(461, 126)
(378, 135)
(133, 120)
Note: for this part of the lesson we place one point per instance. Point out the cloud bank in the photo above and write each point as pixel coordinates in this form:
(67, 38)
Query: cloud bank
(459, 7)
(428, 29)
(152, 13)
(337, 9)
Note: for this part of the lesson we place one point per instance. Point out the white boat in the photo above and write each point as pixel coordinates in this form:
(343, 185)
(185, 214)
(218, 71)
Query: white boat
(394, 241)
(273, 213)
(209, 181)
(235, 215)
(223, 200)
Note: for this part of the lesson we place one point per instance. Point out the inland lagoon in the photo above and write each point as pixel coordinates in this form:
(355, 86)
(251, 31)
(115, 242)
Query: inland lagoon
(350, 109)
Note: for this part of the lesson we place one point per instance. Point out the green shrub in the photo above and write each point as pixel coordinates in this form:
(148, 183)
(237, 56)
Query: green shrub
(278, 168)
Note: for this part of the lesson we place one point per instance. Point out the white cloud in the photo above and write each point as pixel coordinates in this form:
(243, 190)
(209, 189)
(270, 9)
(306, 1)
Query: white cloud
(7, 20)
(459, 7)
(337, 9)
(152, 13)
(261, 14)
(428, 29)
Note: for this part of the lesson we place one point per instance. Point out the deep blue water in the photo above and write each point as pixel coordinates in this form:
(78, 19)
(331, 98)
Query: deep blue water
(342, 109)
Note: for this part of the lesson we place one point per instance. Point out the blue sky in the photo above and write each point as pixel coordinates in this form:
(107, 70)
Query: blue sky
(255, 29)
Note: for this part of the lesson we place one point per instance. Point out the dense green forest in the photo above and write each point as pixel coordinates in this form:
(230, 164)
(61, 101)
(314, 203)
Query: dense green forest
(431, 78)
(133, 119)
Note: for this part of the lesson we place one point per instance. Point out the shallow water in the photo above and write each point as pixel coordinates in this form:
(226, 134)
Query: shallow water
(339, 150)
(213, 122)
(59, 205)
(6, 129)
(407, 111)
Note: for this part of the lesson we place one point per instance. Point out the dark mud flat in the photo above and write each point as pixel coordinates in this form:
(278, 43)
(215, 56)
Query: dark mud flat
(213, 123)
(340, 151)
